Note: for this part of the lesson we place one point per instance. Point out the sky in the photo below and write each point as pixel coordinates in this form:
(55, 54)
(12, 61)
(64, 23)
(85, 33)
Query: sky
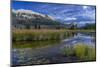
(64, 12)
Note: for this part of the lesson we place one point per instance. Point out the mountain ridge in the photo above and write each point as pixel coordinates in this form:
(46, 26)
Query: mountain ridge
(30, 18)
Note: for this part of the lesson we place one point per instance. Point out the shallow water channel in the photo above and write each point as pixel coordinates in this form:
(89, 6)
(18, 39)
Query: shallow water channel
(47, 52)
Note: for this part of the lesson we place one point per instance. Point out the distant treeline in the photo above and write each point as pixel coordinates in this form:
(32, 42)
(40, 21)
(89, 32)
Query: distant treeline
(89, 26)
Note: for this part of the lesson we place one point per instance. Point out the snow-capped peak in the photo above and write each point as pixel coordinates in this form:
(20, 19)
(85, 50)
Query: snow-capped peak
(32, 13)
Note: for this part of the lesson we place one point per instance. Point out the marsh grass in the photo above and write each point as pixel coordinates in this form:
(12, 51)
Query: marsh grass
(68, 51)
(26, 35)
(81, 51)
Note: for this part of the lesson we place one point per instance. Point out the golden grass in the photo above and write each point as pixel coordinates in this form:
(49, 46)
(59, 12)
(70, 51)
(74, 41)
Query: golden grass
(42, 34)
(37, 30)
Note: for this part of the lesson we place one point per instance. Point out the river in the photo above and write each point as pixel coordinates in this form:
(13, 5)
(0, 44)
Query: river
(50, 52)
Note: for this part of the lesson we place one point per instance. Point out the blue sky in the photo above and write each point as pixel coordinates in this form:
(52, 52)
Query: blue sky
(63, 12)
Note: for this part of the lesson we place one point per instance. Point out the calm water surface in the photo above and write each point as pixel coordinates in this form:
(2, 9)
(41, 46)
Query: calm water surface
(27, 53)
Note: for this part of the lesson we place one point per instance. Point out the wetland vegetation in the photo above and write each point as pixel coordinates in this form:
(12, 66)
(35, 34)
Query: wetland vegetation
(50, 34)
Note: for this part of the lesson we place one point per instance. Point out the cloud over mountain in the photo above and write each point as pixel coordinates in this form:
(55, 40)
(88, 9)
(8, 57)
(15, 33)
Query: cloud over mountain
(63, 12)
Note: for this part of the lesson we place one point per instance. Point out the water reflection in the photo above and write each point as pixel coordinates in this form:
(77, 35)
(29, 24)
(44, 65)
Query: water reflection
(44, 52)
(34, 44)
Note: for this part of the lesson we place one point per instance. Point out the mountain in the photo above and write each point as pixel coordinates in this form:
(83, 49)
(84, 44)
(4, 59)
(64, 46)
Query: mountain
(26, 18)
(30, 15)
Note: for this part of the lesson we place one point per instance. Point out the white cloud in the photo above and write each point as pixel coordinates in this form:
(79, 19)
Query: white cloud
(70, 18)
(85, 7)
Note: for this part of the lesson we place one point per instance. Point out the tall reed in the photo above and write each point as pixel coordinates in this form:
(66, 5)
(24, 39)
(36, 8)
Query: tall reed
(25, 35)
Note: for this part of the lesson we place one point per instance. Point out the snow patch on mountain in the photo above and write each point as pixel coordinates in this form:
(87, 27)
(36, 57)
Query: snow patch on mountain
(31, 14)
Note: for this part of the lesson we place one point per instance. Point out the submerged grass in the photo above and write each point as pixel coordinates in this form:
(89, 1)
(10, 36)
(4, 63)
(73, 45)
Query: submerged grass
(34, 44)
(81, 51)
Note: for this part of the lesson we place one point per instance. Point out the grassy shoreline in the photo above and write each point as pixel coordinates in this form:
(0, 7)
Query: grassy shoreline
(43, 34)
(80, 30)
(31, 35)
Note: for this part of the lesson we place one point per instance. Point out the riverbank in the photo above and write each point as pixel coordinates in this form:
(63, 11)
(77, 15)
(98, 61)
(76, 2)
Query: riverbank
(43, 34)
(54, 54)
(47, 51)
(31, 35)
(81, 30)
